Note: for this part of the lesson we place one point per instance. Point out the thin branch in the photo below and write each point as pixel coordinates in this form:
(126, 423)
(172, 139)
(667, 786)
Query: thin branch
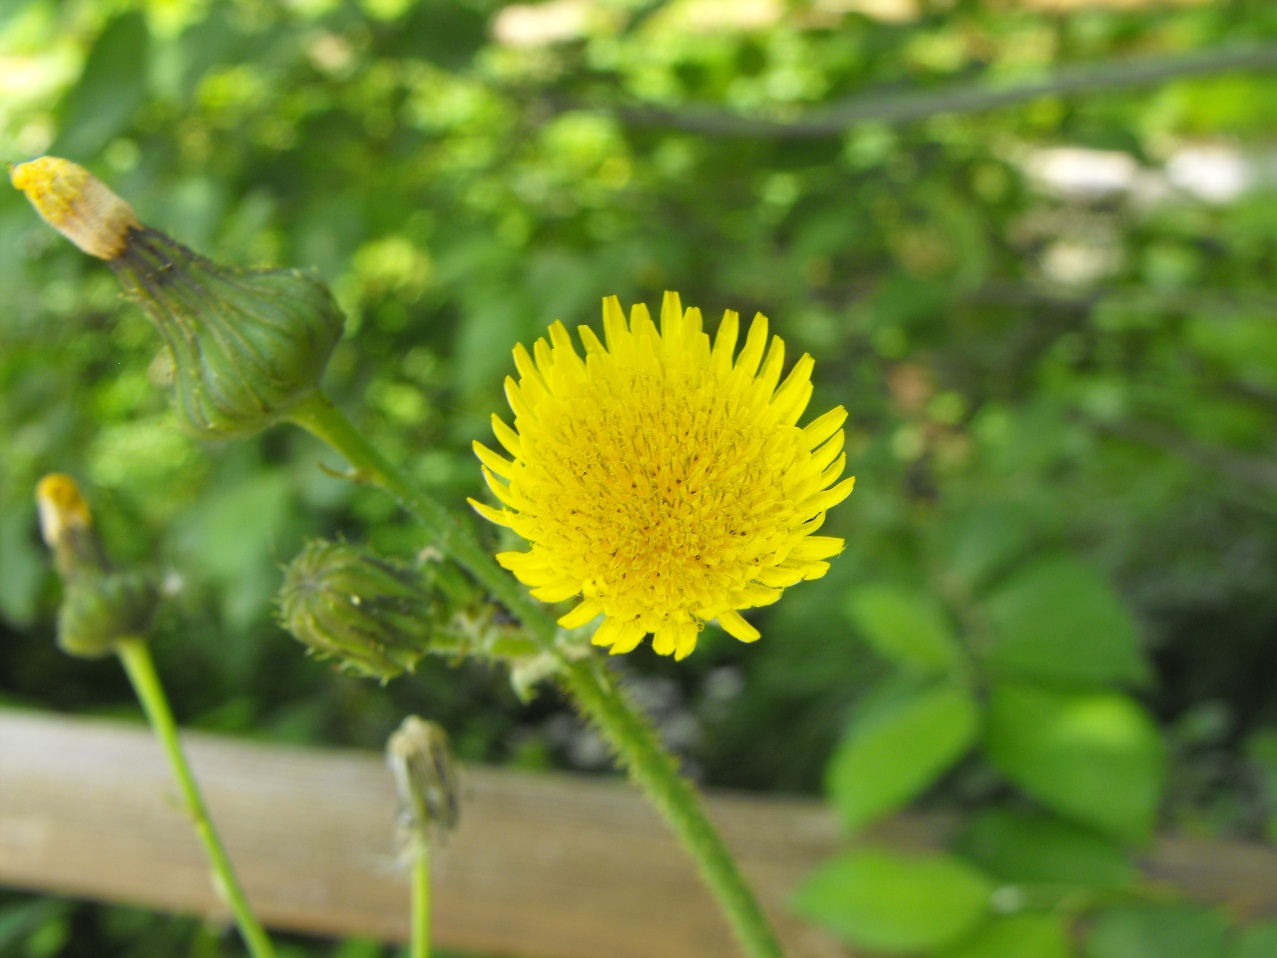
(897, 107)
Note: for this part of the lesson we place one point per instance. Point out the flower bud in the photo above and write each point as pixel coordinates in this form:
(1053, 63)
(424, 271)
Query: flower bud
(100, 604)
(374, 616)
(98, 610)
(246, 344)
(76, 204)
(425, 774)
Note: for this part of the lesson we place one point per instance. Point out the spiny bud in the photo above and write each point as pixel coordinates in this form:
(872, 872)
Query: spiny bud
(374, 616)
(100, 604)
(425, 774)
(246, 345)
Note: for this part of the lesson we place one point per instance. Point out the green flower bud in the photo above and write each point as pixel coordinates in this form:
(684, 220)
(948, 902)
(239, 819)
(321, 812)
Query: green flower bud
(100, 609)
(246, 344)
(374, 616)
(100, 604)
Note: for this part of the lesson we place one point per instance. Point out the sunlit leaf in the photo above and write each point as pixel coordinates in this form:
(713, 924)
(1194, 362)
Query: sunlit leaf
(890, 902)
(1095, 757)
(896, 746)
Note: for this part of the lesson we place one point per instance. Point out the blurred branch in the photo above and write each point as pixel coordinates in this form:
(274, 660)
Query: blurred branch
(1255, 471)
(896, 107)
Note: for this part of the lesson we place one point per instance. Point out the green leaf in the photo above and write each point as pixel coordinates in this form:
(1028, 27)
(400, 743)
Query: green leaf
(1059, 621)
(1152, 931)
(882, 900)
(111, 88)
(896, 746)
(1261, 749)
(1017, 936)
(908, 628)
(447, 34)
(1027, 848)
(1257, 941)
(1095, 757)
(24, 567)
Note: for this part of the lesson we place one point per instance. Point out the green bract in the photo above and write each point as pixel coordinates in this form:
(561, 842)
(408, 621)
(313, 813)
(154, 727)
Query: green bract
(100, 609)
(246, 344)
(374, 616)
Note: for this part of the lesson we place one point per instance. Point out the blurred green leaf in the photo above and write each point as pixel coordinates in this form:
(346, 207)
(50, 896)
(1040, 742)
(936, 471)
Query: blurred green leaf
(1028, 848)
(984, 539)
(1059, 621)
(22, 568)
(1017, 936)
(889, 902)
(896, 746)
(235, 534)
(447, 34)
(1257, 941)
(908, 628)
(36, 924)
(110, 90)
(1095, 757)
(1152, 931)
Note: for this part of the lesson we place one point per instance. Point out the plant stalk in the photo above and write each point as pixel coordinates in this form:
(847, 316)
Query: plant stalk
(420, 947)
(135, 656)
(588, 681)
(654, 769)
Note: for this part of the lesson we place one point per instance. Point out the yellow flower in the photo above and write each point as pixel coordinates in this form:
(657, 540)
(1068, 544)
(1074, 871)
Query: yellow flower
(661, 478)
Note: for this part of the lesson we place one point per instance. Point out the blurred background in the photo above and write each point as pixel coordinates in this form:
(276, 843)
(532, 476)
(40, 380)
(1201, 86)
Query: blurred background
(1032, 246)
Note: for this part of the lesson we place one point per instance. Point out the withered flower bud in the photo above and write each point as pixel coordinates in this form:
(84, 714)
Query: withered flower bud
(426, 777)
(246, 345)
(101, 605)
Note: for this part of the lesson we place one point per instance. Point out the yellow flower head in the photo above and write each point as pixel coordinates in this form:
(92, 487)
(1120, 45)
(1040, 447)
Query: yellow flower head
(664, 479)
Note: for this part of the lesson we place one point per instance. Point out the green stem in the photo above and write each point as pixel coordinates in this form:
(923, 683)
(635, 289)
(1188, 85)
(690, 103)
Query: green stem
(318, 416)
(420, 896)
(135, 656)
(675, 797)
(596, 695)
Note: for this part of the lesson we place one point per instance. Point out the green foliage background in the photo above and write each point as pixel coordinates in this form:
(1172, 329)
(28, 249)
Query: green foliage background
(1057, 608)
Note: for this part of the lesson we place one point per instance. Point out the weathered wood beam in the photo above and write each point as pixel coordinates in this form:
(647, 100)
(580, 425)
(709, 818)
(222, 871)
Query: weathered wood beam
(555, 865)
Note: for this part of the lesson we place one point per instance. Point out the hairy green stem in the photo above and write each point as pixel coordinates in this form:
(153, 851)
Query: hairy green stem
(135, 656)
(591, 685)
(588, 682)
(318, 415)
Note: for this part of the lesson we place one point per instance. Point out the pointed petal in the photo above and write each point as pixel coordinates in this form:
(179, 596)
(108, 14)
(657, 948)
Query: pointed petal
(581, 615)
(497, 516)
(736, 626)
(750, 356)
(725, 342)
(628, 637)
(499, 464)
(822, 427)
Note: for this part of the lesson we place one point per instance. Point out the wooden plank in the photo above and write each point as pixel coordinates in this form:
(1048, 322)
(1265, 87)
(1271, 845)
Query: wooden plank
(551, 865)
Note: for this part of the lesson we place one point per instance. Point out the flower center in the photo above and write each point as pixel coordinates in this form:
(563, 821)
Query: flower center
(657, 493)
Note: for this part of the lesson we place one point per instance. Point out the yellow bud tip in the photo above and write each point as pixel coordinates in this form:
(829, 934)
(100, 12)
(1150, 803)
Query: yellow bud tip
(76, 204)
(62, 508)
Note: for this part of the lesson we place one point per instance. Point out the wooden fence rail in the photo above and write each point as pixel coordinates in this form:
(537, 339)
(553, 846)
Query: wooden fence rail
(551, 865)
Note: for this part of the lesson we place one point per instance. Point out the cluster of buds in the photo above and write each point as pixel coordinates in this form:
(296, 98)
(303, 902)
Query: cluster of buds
(246, 345)
(101, 604)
